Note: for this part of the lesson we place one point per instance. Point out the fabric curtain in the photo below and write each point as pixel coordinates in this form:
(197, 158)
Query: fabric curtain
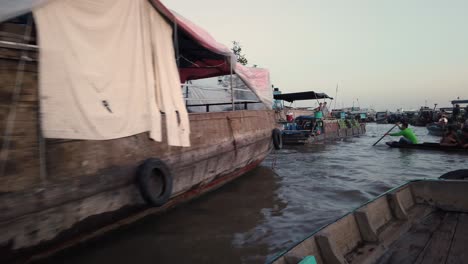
(167, 81)
(107, 69)
(258, 80)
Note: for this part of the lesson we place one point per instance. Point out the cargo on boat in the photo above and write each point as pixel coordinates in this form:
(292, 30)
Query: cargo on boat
(422, 221)
(96, 126)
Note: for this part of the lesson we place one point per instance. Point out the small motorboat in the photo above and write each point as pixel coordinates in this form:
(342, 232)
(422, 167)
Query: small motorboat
(422, 221)
(426, 146)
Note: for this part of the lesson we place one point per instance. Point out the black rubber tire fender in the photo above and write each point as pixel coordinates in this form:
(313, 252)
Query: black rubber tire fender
(154, 180)
(277, 139)
(455, 175)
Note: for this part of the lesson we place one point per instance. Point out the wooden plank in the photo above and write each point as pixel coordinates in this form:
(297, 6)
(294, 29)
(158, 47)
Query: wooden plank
(398, 228)
(436, 251)
(408, 247)
(458, 253)
(446, 195)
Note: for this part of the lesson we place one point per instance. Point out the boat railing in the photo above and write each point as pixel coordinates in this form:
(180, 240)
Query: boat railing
(218, 97)
(245, 103)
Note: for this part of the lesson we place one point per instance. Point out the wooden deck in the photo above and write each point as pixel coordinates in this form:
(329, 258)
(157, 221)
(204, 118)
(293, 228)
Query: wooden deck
(441, 237)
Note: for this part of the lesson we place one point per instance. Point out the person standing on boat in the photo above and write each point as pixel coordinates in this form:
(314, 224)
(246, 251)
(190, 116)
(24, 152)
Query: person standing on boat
(319, 108)
(325, 110)
(455, 112)
(408, 136)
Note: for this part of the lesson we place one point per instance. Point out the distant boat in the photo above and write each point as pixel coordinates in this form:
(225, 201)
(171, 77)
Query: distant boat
(436, 129)
(314, 126)
(381, 118)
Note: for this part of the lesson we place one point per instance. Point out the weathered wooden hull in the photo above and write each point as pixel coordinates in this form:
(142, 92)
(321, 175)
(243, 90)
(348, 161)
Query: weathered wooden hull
(423, 221)
(58, 191)
(332, 131)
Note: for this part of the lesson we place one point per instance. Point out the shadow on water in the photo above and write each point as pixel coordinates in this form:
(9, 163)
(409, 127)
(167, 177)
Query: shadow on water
(266, 211)
(201, 231)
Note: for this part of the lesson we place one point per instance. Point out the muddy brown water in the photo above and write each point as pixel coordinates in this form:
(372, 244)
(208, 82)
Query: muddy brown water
(269, 209)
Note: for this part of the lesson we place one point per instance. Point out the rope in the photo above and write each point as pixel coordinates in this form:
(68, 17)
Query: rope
(10, 120)
(274, 160)
(176, 43)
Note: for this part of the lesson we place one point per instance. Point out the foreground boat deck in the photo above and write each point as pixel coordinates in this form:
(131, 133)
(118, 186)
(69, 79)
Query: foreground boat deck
(441, 237)
(423, 221)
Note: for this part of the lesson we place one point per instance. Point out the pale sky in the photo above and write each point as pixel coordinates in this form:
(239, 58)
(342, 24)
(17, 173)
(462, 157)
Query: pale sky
(387, 54)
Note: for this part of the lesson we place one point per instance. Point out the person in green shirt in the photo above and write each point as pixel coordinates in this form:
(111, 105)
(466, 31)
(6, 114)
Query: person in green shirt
(407, 133)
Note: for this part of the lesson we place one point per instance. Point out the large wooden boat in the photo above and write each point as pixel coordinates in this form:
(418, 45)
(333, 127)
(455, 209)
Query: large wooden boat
(422, 221)
(56, 192)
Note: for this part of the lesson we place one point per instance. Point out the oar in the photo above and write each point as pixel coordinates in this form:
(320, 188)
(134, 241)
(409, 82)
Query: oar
(385, 135)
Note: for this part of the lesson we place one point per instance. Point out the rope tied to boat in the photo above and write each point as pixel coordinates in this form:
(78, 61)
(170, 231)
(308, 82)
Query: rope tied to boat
(274, 161)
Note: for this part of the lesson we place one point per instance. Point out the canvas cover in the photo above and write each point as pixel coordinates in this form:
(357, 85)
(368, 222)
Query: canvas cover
(107, 70)
(258, 80)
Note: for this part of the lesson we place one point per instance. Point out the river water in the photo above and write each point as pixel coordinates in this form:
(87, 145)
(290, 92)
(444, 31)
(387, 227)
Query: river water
(295, 191)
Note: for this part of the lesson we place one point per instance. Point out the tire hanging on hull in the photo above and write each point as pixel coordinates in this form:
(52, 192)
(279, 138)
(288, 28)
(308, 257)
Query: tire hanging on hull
(154, 182)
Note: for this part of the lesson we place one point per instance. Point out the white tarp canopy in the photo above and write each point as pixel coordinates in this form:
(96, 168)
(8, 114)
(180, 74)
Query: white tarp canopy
(257, 79)
(107, 69)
